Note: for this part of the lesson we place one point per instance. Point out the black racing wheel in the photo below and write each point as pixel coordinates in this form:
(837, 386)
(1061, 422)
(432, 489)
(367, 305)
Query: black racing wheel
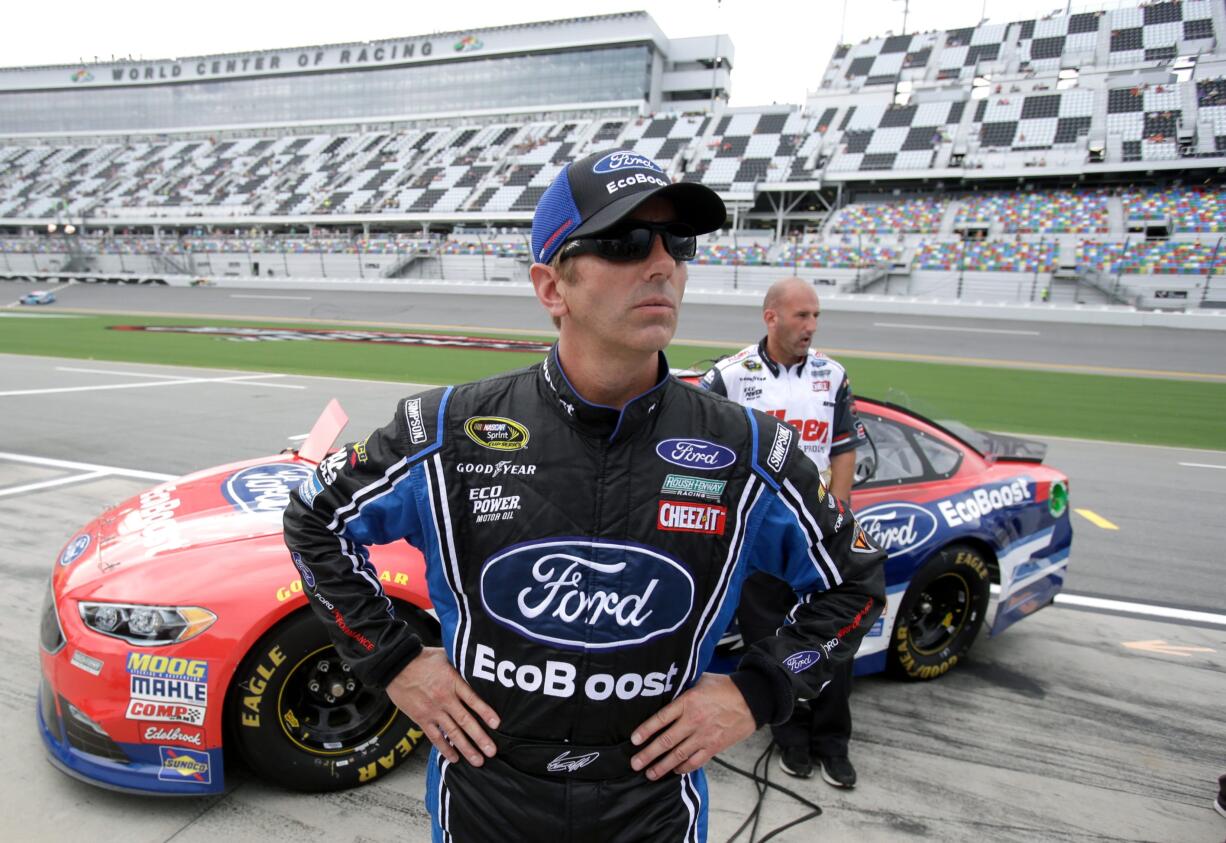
(940, 614)
(302, 719)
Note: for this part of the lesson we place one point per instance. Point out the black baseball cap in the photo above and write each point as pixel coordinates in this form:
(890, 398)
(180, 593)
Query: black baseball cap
(599, 190)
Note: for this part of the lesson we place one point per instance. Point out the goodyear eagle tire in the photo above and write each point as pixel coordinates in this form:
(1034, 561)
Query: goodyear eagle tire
(940, 614)
(302, 720)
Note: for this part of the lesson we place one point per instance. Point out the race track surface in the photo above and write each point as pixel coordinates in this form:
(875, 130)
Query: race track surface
(1106, 349)
(1054, 731)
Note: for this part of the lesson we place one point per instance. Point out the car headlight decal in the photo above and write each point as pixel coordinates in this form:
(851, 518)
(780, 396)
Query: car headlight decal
(146, 625)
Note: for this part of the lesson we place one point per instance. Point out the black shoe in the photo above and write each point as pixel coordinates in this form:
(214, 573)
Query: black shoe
(795, 761)
(837, 770)
(1220, 803)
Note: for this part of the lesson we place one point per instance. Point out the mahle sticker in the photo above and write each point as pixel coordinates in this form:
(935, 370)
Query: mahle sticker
(496, 433)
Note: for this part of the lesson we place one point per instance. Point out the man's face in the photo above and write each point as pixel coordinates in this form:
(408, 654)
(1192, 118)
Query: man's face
(627, 306)
(792, 324)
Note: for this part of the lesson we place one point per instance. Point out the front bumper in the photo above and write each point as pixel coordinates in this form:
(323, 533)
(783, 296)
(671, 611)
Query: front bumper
(84, 751)
(82, 720)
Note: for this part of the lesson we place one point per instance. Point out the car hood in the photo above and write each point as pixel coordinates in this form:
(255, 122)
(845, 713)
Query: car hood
(239, 502)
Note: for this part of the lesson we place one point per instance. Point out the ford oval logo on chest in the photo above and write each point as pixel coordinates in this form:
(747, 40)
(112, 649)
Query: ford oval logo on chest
(695, 453)
(587, 595)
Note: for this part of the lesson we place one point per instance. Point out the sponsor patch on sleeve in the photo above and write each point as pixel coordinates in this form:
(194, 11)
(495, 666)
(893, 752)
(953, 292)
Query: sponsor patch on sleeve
(779, 448)
(413, 418)
(802, 661)
(861, 544)
(309, 489)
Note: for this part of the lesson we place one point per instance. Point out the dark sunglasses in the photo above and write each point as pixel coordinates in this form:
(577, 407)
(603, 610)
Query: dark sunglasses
(633, 243)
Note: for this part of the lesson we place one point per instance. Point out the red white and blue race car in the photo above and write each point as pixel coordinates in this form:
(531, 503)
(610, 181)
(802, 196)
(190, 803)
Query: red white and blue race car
(174, 626)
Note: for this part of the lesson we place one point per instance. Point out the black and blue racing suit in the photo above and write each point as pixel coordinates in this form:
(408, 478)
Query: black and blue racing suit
(583, 563)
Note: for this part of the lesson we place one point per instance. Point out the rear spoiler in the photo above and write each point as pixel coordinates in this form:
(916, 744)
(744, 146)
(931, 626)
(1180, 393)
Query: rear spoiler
(327, 427)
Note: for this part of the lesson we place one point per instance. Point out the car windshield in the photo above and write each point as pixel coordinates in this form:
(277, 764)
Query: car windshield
(987, 443)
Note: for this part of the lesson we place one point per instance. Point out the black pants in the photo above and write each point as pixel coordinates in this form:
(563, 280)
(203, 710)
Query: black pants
(823, 724)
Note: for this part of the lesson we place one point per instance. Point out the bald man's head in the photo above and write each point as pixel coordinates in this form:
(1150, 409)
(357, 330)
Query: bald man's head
(782, 288)
(790, 311)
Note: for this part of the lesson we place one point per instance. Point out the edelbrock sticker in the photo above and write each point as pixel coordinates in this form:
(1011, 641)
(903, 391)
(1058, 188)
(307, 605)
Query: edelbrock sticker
(587, 595)
(898, 527)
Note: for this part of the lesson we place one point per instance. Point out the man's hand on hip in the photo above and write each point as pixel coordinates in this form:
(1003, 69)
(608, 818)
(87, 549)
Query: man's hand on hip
(436, 697)
(692, 729)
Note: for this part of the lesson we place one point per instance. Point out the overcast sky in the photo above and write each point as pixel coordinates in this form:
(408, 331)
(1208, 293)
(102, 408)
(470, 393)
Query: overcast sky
(781, 47)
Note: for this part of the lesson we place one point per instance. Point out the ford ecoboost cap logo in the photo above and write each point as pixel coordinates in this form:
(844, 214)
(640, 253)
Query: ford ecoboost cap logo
(695, 453)
(264, 488)
(615, 161)
(587, 595)
(897, 527)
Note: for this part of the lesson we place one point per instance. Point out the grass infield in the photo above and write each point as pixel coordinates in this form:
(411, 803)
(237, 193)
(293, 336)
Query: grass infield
(1122, 409)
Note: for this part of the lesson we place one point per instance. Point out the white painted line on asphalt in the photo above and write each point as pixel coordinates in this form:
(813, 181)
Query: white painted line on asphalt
(240, 380)
(47, 484)
(955, 329)
(120, 373)
(85, 466)
(286, 298)
(298, 437)
(1201, 465)
(1104, 604)
(261, 383)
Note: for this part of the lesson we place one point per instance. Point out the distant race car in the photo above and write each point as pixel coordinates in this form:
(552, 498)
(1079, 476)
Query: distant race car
(174, 626)
(38, 297)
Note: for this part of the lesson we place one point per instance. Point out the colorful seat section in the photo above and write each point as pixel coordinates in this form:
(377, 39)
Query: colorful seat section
(1192, 210)
(1054, 212)
(836, 257)
(987, 256)
(913, 215)
(719, 254)
(1160, 257)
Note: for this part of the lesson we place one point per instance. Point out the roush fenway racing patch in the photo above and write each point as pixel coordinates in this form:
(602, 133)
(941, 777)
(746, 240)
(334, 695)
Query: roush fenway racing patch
(375, 337)
(690, 517)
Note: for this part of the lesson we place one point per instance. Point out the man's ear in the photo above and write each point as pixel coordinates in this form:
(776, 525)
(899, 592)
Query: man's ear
(547, 284)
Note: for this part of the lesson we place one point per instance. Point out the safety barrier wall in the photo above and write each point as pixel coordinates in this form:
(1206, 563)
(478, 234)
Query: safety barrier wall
(697, 292)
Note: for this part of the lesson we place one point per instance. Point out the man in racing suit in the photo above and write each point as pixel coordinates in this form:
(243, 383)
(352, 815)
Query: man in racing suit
(587, 523)
(782, 376)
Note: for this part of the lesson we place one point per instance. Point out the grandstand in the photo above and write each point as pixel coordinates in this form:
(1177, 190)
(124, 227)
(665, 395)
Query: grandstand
(1071, 158)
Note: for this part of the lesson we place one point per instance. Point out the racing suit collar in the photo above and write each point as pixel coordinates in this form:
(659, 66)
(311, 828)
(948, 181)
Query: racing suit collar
(597, 419)
(774, 367)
